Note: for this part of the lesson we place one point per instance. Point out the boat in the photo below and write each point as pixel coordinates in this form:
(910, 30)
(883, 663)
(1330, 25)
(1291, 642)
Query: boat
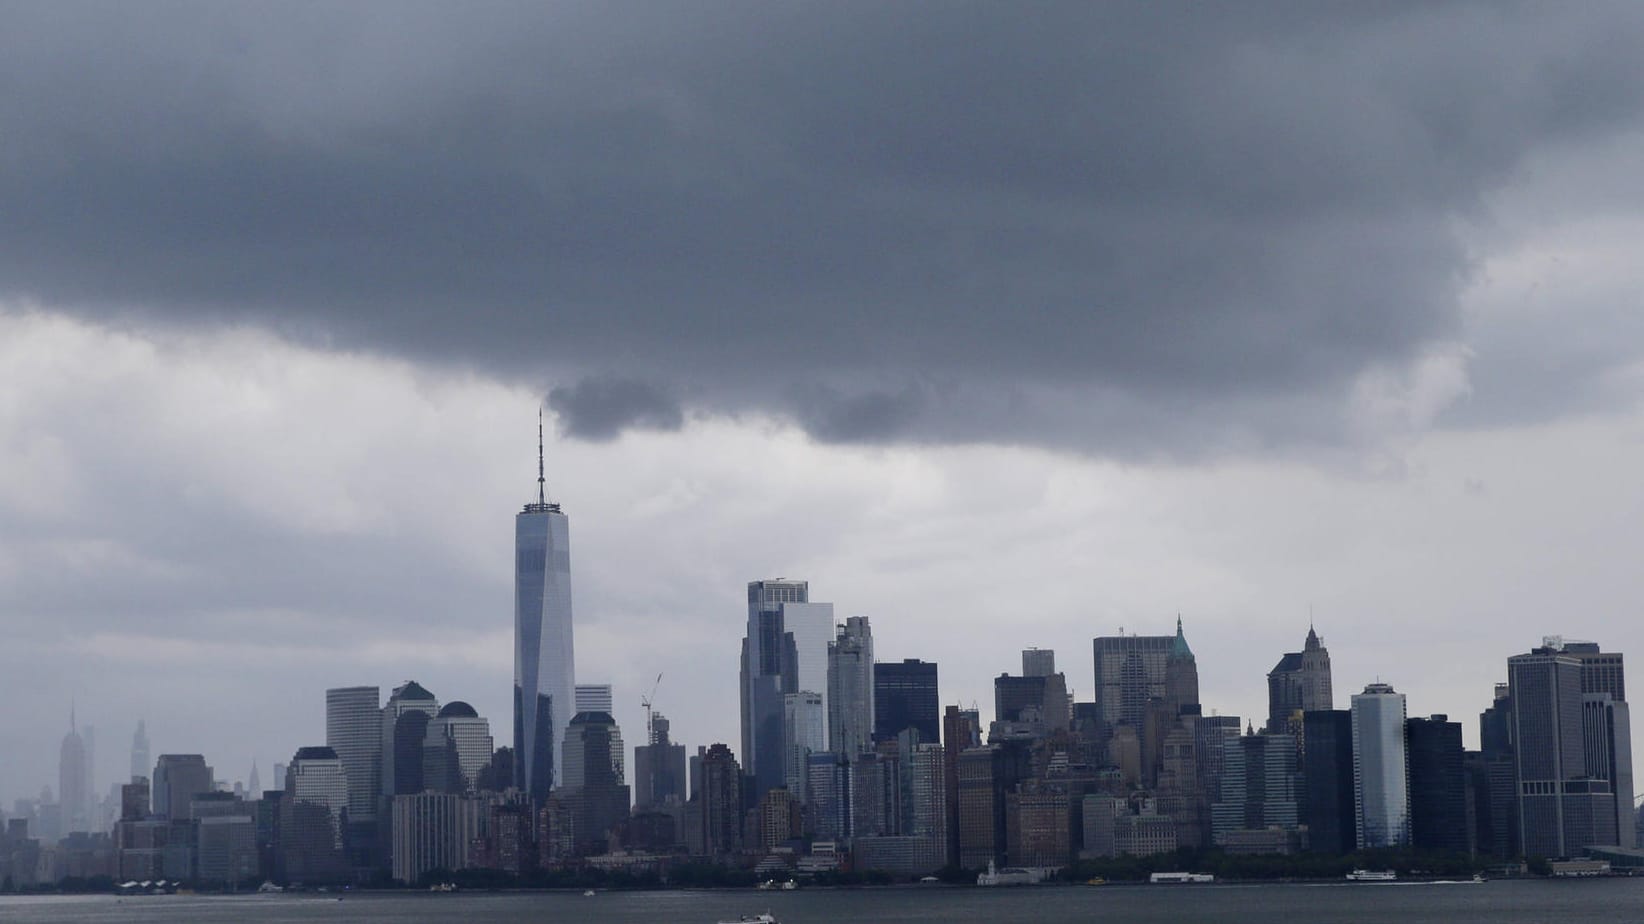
(1372, 875)
(1180, 878)
(766, 918)
(1095, 880)
(587, 893)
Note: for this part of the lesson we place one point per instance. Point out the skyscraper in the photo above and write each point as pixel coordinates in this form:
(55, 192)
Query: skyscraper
(1438, 785)
(784, 651)
(455, 749)
(1132, 669)
(1328, 777)
(850, 689)
(177, 779)
(1561, 808)
(405, 720)
(596, 697)
(140, 765)
(544, 657)
(905, 696)
(1299, 683)
(73, 788)
(659, 768)
(354, 730)
(1381, 775)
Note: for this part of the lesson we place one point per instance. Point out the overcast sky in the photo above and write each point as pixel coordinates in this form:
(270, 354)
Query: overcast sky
(1004, 325)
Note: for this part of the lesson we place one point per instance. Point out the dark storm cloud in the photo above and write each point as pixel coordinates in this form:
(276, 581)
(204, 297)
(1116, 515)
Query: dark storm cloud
(812, 209)
(600, 409)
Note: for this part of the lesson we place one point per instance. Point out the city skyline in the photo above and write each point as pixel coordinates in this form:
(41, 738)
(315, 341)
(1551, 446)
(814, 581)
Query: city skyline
(1065, 322)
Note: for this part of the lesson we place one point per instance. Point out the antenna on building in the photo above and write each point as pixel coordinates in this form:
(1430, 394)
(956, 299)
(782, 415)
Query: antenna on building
(542, 481)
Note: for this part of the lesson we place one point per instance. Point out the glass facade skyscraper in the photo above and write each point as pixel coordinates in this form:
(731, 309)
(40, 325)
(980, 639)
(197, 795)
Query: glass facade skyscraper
(1381, 768)
(544, 657)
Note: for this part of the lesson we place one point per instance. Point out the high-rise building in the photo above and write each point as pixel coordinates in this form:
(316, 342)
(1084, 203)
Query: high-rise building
(405, 720)
(1438, 785)
(905, 696)
(310, 815)
(354, 730)
(1299, 683)
(1327, 772)
(1606, 727)
(1561, 808)
(1381, 775)
(1133, 669)
(544, 655)
(805, 730)
(177, 779)
(1495, 787)
(456, 749)
(1043, 696)
(140, 765)
(719, 804)
(785, 651)
(850, 688)
(1258, 788)
(434, 831)
(1038, 662)
(659, 768)
(596, 697)
(961, 731)
(596, 792)
(73, 789)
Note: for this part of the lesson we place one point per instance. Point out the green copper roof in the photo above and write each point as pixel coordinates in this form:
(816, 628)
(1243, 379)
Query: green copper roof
(1178, 648)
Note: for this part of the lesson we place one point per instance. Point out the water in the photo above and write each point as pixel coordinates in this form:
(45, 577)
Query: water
(1522, 902)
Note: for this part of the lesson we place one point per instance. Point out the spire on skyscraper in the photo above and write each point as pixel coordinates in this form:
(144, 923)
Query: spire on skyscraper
(542, 479)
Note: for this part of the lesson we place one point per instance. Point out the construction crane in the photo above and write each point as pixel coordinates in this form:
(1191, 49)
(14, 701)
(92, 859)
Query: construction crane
(650, 722)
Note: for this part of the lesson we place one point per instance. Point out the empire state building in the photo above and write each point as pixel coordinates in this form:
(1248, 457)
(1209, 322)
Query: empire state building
(544, 662)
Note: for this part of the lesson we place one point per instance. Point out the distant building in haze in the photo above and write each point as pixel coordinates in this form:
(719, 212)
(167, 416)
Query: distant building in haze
(784, 651)
(177, 779)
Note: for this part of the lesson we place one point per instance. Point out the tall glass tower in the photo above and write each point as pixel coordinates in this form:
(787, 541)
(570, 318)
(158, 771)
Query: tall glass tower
(544, 662)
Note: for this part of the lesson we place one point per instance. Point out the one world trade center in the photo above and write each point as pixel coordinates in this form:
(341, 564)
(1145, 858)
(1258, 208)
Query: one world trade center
(544, 664)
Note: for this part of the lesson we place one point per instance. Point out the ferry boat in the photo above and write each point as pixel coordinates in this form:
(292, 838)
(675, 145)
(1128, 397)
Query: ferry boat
(766, 918)
(1180, 878)
(1372, 875)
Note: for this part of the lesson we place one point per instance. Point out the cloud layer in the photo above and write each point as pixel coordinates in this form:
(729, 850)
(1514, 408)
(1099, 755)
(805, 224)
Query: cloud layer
(1128, 229)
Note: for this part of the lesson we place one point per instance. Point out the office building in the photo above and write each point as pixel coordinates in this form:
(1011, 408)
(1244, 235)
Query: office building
(434, 831)
(961, 731)
(177, 779)
(1561, 809)
(596, 697)
(1131, 670)
(405, 719)
(905, 696)
(310, 815)
(659, 768)
(719, 806)
(456, 749)
(1258, 790)
(1327, 772)
(850, 688)
(1438, 786)
(544, 652)
(74, 796)
(784, 651)
(354, 730)
(140, 765)
(1381, 781)
(1038, 662)
(805, 731)
(1299, 683)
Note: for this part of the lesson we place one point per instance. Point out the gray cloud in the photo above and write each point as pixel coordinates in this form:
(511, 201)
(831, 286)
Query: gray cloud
(600, 409)
(1141, 206)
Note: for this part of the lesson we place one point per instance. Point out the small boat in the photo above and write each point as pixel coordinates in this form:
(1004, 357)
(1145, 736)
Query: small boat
(766, 918)
(587, 893)
(1095, 880)
(1372, 875)
(1180, 878)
